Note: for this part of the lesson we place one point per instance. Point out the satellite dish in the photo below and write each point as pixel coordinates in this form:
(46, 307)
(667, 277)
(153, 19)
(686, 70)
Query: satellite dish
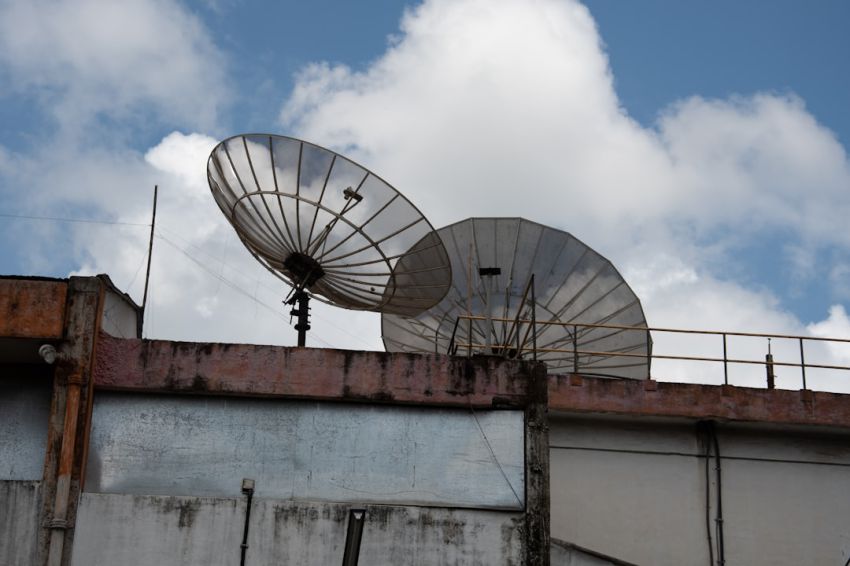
(328, 227)
(493, 260)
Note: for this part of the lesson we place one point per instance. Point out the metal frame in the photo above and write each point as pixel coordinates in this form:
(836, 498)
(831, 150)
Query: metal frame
(271, 233)
(576, 352)
(573, 282)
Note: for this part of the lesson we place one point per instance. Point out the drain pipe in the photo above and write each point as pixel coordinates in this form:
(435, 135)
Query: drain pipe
(721, 558)
(356, 520)
(248, 490)
(59, 522)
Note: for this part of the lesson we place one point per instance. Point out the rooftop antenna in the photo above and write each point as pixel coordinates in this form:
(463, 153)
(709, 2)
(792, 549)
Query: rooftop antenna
(569, 283)
(328, 227)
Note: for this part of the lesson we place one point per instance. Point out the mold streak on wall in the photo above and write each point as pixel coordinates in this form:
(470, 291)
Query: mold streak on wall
(167, 530)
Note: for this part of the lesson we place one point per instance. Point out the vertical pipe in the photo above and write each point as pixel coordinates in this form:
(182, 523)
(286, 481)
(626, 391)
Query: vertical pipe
(648, 354)
(58, 523)
(356, 519)
(248, 490)
(803, 363)
(721, 553)
(725, 363)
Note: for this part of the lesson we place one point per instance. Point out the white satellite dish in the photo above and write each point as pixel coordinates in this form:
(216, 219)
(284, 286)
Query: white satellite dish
(493, 260)
(328, 226)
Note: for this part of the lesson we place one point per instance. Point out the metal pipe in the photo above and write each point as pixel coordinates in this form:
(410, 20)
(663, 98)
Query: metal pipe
(356, 519)
(803, 363)
(248, 490)
(59, 522)
(721, 558)
(725, 362)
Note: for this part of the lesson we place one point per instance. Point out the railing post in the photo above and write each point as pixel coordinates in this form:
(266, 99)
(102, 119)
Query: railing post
(725, 363)
(575, 348)
(533, 320)
(803, 363)
(648, 354)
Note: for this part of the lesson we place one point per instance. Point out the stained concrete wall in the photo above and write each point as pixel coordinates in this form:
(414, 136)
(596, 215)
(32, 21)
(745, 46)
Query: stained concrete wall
(169, 530)
(19, 507)
(635, 489)
(24, 410)
(180, 445)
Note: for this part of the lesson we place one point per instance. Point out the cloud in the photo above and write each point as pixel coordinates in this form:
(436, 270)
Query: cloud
(85, 59)
(477, 108)
(837, 324)
(508, 108)
(480, 104)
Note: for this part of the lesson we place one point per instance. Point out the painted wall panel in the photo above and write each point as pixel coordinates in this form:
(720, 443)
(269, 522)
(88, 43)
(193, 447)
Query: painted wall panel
(24, 414)
(149, 444)
(635, 489)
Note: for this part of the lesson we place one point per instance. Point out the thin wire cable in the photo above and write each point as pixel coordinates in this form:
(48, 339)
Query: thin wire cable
(77, 220)
(262, 284)
(232, 285)
(493, 456)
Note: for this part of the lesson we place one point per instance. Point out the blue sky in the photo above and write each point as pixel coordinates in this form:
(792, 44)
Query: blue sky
(700, 146)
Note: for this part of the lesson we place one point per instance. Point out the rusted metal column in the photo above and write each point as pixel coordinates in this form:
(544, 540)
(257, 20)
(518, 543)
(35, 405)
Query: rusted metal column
(537, 468)
(70, 406)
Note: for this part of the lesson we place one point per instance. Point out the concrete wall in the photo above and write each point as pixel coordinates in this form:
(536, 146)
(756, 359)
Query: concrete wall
(635, 489)
(439, 485)
(167, 530)
(181, 445)
(24, 411)
(120, 318)
(19, 507)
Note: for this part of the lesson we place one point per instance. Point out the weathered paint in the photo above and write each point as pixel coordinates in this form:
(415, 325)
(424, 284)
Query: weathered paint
(575, 393)
(178, 445)
(19, 504)
(24, 410)
(32, 308)
(636, 490)
(312, 373)
(165, 530)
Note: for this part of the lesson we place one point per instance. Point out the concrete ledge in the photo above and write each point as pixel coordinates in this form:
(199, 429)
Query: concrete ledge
(697, 401)
(310, 373)
(32, 308)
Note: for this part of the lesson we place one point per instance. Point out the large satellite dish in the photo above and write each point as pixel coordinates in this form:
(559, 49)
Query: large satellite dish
(328, 226)
(493, 260)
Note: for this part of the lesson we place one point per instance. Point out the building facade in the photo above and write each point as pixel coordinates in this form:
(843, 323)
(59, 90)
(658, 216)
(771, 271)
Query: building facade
(117, 450)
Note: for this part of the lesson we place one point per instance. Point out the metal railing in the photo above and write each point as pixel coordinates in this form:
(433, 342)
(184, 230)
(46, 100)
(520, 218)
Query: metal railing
(516, 348)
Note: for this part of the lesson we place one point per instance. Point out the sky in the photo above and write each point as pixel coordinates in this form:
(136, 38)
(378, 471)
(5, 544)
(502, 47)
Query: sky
(701, 147)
